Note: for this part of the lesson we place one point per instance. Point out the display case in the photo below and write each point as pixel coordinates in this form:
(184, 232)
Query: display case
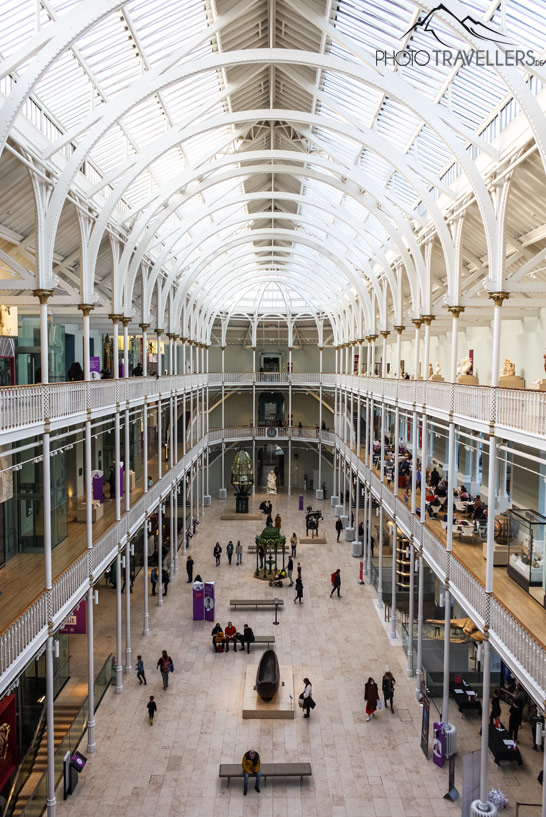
(526, 550)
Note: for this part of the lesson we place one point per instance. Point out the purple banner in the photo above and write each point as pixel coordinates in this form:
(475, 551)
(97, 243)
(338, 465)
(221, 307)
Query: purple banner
(438, 744)
(300, 505)
(77, 621)
(198, 601)
(98, 486)
(94, 364)
(209, 601)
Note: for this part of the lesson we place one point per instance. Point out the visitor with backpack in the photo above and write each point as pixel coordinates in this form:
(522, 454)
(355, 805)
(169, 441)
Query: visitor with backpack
(336, 583)
(165, 666)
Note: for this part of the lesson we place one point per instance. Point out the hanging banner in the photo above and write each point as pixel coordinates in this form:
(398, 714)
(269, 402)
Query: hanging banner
(426, 720)
(8, 739)
(361, 572)
(209, 601)
(77, 620)
(471, 780)
(198, 601)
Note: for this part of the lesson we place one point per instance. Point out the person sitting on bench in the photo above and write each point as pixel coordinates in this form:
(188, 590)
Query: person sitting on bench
(231, 636)
(218, 638)
(246, 637)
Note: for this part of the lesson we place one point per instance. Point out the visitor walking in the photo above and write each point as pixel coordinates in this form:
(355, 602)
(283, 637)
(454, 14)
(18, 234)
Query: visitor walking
(387, 685)
(153, 579)
(165, 578)
(140, 670)
(339, 527)
(336, 583)
(293, 544)
(165, 666)
(371, 696)
(251, 768)
(278, 521)
(299, 570)
(306, 698)
(238, 553)
(229, 551)
(189, 568)
(299, 590)
(217, 551)
(151, 706)
(289, 569)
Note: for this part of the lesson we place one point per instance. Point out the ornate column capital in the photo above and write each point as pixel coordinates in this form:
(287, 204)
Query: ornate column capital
(499, 297)
(427, 319)
(385, 333)
(417, 322)
(159, 331)
(172, 335)
(115, 318)
(125, 320)
(144, 326)
(399, 329)
(372, 338)
(183, 339)
(455, 310)
(42, 294)
(86, 308)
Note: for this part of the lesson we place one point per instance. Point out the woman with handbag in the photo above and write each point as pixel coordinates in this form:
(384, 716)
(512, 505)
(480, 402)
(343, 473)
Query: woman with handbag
(306, 701)
(371, 696)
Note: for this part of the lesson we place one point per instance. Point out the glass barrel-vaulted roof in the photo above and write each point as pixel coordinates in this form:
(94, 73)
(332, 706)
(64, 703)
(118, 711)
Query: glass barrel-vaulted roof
(257, 155)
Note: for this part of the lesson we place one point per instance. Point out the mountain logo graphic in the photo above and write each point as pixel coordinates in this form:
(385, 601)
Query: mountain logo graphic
(474, 27)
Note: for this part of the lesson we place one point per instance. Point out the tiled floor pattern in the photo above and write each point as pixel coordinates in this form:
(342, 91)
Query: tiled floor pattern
(374, 769)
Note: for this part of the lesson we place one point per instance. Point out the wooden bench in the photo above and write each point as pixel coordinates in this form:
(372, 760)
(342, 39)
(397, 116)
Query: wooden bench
(255, 603)
(300, 770)
(260, 639)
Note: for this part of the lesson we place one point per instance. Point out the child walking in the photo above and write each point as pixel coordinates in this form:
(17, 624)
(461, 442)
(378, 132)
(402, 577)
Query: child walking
(140, 670)
(151, 706)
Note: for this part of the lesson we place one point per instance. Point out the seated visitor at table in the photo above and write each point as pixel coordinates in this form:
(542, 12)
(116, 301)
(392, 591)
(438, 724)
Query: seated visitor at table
(463, 494)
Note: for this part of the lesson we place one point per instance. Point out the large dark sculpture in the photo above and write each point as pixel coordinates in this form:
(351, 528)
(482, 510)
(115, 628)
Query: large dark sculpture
(312, 519)
(268, 676)
(242, 480)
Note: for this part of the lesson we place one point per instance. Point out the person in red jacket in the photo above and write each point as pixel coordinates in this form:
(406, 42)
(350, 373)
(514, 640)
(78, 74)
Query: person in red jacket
(231, 636)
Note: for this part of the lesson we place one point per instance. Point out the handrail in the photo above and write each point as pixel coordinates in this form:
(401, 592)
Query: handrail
(25, 766)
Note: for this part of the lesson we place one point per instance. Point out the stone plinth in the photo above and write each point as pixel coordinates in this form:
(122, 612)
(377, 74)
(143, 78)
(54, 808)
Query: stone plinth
(468, 380)
(312, 540)
(538, 385)
(280, 707)
(437, 378)
(511, 381)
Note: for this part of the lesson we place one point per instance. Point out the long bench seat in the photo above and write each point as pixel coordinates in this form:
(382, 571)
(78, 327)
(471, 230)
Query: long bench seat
(300, 770)
(256, 603)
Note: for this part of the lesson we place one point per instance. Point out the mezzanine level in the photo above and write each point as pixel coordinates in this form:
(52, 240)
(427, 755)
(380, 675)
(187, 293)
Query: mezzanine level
(515, 414)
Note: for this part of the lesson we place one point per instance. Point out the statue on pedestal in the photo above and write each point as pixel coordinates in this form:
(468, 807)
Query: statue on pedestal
(466, 365)
(430, 370)
(508, 368)
(437, 369)
(271, 483)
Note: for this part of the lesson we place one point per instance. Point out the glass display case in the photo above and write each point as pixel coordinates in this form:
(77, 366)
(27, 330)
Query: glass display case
(526, 550)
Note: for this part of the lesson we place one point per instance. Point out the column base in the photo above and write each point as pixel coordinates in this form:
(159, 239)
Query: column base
(338, 510)
(478, 809)
(207, 500)
(319, 493)
(222, 493)
(349, 534)
(504, 502)
(334, 500)
(356, 550)
(344, 518)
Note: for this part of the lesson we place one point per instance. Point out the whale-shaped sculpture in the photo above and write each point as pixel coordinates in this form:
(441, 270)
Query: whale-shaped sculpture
(268, 676)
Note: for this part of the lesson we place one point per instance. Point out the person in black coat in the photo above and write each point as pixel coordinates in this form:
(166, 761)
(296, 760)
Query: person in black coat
(246, 637)
(339, 527)
(165, 579)
(387, 685)
(299, 590)
(336, 584)
(495, 706)
(217, 552)
(189, 568)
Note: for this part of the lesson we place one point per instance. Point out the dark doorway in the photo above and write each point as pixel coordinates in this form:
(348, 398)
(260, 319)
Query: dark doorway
(270, 458)
(271, 409)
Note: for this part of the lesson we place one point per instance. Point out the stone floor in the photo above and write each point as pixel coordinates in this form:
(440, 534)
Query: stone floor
(375, 769)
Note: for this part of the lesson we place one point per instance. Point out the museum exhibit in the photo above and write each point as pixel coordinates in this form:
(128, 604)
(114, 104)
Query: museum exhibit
(272, 407)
